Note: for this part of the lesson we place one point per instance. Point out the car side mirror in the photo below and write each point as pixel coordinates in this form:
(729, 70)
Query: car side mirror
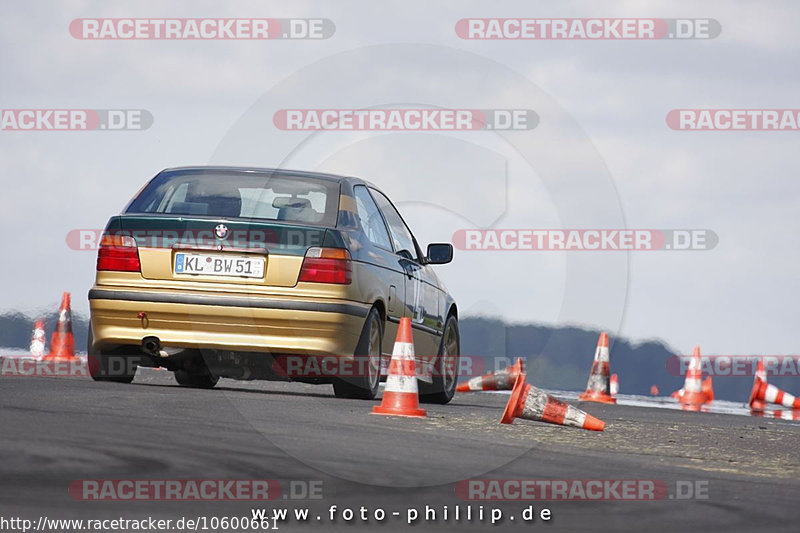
(439, 253)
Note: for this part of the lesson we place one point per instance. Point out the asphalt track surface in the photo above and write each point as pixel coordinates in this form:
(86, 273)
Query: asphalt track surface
(58, 430)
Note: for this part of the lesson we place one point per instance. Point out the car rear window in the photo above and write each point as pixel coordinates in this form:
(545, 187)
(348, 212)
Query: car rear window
(297, 199)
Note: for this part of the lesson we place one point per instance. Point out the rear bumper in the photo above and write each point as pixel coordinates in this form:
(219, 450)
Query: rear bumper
(226, 322)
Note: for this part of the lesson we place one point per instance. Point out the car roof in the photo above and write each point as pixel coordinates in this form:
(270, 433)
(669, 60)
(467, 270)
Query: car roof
(259, 170)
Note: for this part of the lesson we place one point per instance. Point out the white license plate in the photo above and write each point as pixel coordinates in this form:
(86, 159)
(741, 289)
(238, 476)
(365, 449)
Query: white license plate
(219, 265)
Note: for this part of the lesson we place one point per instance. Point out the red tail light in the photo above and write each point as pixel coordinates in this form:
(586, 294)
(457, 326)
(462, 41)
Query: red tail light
(118, 253)
(326, 265)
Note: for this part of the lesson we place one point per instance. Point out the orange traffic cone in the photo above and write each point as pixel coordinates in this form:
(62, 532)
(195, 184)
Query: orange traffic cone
(401, 394)
(614, 385)
(653, 390)
(781, 414)
(793, 414)
(692, 391)
(761, 373)
(772, 394)
(38, 340)
(502, 380)
(708, 389)
(598, 388)
(695, 407)
(62, 344)
(530, 403)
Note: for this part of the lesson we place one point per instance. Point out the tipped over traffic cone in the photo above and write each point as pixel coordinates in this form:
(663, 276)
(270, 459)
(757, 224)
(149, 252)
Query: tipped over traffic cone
(783, 414)
(772, 394)
(38, 340)
(530, 403)
(401, 394)
(501, 380)
(692, 391)
(598, 389)
(761, 373)
(62, 344)
(614, 384)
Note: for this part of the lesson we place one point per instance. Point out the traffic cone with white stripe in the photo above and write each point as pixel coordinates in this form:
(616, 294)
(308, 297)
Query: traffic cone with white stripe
(772, 394)
(692, 392)
(614, 385)
(502, 380)
(38, 340)
(784, 414)
(401, 394)
(708, 389)
(761, 373)
(62, 344)
(598, 389)
(530, 403)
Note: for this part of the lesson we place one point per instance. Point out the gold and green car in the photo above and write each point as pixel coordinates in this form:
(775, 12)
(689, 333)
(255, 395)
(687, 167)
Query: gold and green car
(251, 273)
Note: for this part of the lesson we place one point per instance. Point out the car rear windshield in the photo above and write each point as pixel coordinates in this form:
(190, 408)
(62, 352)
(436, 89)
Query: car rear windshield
(298, 199)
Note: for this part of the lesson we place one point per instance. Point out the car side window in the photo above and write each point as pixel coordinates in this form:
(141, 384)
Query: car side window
(401, 235)
(370, 218)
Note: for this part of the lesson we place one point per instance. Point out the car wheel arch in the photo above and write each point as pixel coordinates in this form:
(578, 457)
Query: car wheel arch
(453, 311)
(381, 307)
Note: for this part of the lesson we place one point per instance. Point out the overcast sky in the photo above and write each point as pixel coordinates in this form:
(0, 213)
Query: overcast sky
(602, 156)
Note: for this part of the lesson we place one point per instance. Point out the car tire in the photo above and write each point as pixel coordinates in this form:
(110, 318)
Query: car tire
(100, 364)
(196, 375)
(443, 387)
(368, 357)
